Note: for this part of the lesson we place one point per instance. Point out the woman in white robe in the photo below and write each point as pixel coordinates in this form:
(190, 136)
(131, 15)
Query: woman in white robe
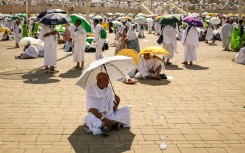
(225, 34)
(169, 42)
(210, 33)
(47, 35)
(190, 42)
(79, 37)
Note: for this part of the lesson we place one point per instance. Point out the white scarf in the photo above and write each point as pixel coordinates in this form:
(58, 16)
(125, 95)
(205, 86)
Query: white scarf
(100, 99)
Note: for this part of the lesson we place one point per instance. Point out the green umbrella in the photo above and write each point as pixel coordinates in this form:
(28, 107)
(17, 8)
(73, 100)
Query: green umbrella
(168, 20)
(22, 15)
(85, 23)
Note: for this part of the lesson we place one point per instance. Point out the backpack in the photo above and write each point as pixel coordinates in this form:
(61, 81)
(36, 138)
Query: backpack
(103, 34)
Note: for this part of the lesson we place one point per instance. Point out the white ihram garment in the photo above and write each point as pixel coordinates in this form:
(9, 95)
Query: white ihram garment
(169, 41)
(190, 43)
(225, 34)
(103, 101)
(17, 33)
(79, 36)
(32, 51)
(240, 57)
(140, 31)
(150, 24)
(210, 33)
(99, 42)
(145, 65)
(50, 49)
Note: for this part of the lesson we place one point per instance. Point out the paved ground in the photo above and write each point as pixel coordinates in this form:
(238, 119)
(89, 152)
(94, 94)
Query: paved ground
(200, 111)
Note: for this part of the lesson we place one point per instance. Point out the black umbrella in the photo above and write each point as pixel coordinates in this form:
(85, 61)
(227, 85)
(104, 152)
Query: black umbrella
(50, 11)
(55, 19)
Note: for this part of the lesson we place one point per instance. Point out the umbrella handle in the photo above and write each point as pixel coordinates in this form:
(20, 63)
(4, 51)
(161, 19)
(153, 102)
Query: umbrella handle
(109, 78)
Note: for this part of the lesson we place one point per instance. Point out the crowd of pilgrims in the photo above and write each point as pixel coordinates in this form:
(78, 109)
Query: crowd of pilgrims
(127, 35)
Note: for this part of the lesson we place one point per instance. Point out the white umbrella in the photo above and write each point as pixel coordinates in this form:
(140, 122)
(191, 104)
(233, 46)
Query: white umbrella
(140, 20)
(117, 23)
(149, 19)
(116, 67)
(110, 14)
(28, 40)
(215, 20)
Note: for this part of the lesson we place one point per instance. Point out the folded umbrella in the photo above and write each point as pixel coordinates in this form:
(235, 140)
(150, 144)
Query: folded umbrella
(55, 19)
(84, 23)
(116, 67)
(193, 21)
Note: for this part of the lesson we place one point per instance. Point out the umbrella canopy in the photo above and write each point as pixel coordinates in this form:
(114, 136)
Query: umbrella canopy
(149, 19)
(117, 23)
(211, 14)
(42, 14)
(22, 15)
(141, 14)
(98, 17)
(110, 14)
(55, 19)
(215, 20)
(116, 67)
(168, 20)
(204, 13)
(155, 50)
(140, 20)
(193, 21)
(230, 14)
(29, 40)
(84, 23)
(130, 53)
(3, 29)
(117, 14)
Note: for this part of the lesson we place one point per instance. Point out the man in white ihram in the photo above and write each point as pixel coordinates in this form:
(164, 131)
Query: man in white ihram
(47, 35)
(98, 40)
(102, 106)
(79, 36)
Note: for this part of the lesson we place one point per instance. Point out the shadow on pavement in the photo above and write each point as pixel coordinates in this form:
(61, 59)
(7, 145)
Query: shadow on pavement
(72, 73)
(173, 67)
(196, 67)
(154, 82)
(14, 74)
(39, 77)
(118, 141)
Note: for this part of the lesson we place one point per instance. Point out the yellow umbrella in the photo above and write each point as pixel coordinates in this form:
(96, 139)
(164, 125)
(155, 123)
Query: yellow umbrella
(211, 14)
(3, 29)
(158, 17)
(125, 18)
(130, 53)
(154, 50)
(230, 14)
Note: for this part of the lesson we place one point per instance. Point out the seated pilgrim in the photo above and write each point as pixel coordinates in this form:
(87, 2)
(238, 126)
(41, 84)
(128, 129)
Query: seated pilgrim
(30, 51)
(240, 57)
(150, 67)
(102, 106)
(5, 36)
